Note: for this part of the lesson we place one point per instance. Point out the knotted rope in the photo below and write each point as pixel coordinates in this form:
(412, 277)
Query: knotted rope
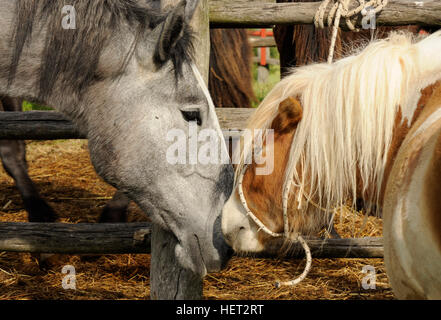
(286, 234)
(340, 9)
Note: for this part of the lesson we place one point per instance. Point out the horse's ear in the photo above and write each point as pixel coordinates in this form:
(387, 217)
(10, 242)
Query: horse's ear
(172, 30)
(290, 114)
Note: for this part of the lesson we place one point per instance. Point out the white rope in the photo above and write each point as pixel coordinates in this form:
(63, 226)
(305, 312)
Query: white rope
(286, 234)
(340, 9)
(305, 271)
(249, 213)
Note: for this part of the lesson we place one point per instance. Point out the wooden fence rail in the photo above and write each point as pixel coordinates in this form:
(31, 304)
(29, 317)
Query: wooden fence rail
(227, 13)
(258, 42)
(48, 125)
(123, 238)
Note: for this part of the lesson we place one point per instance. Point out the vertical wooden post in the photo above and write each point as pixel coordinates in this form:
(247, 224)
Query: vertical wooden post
(168, 280)
(201, 26)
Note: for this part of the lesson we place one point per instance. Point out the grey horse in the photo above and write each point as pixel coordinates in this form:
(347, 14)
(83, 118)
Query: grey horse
(126, 77)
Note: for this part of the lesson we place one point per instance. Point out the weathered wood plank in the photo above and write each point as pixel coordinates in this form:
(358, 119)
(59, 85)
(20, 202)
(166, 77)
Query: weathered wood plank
(82, 238)
(330, 248)
(37, 125)
(44, 125)
(233, 118)
(122, 238)
(47, 130)
(397, 12)
(257, 42)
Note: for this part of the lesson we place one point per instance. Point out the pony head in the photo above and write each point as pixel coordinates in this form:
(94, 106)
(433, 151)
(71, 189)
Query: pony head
(339, 150)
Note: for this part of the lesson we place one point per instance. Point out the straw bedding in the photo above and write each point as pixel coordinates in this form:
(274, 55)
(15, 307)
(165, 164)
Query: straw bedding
(65, 177)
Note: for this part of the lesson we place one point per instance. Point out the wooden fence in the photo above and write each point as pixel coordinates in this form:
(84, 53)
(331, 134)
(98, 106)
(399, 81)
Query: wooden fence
(168, 279)
(228, 13)
(121, 238)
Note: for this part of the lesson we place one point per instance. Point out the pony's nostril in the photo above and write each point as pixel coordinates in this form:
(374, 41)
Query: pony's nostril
(231, 236)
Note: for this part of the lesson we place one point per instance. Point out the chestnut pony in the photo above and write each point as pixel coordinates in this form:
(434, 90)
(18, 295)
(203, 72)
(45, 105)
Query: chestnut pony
(355, 114)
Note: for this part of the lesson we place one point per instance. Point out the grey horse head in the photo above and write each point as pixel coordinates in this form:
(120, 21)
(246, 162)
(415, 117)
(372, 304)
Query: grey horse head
(127, 81)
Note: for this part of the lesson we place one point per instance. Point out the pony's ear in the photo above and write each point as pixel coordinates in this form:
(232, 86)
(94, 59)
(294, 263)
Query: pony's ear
(172, 30)
(290, 114)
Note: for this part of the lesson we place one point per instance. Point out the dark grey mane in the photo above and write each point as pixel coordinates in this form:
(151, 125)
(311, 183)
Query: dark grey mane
(71, 56)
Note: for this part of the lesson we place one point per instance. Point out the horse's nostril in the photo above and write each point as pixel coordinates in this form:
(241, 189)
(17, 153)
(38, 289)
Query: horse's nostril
(241, 228)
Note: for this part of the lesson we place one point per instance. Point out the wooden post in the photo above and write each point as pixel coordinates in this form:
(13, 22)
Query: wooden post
(201, 26)
(168, 280)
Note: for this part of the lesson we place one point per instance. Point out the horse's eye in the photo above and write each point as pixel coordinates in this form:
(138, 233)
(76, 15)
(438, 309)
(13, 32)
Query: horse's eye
(192, 115)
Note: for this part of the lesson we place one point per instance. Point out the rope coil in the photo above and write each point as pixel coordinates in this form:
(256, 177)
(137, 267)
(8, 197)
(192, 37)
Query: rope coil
(340, 9)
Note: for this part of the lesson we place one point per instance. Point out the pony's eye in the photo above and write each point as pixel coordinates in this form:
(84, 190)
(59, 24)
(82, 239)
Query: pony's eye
(192, 115)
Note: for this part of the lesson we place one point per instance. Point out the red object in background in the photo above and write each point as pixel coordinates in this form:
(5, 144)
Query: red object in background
(263, 33)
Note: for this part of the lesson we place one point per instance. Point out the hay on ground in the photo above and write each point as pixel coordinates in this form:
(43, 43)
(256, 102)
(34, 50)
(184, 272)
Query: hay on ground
(65, 177)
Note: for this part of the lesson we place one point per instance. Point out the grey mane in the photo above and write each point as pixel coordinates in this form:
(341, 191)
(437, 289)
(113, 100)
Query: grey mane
(71, 56)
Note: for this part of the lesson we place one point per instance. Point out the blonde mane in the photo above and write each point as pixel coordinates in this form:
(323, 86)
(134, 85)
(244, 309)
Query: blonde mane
(349, 111)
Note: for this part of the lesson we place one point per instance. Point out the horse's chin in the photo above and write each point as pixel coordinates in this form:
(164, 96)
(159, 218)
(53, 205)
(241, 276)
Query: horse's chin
(193, 262)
